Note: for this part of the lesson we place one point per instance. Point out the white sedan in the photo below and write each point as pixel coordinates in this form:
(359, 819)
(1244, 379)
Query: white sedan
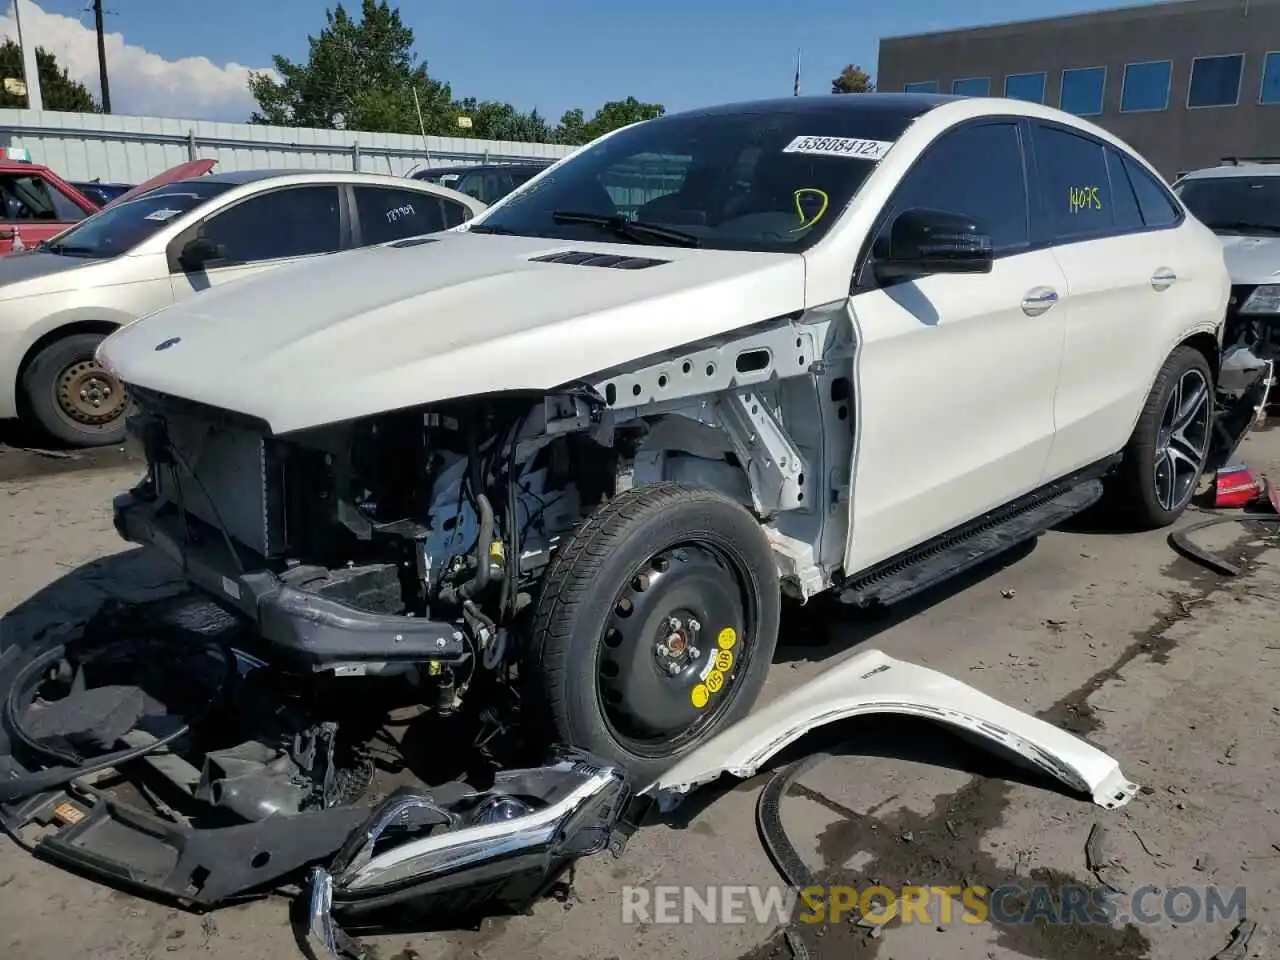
(848, 344)
(163, 242)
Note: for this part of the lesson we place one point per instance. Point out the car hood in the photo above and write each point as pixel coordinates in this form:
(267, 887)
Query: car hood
(460, 314)
(1251, 259)
(32, 272)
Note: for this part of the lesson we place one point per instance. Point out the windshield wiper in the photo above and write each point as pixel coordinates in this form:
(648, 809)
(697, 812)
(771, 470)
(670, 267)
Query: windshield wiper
(70, 249)
(481, 228)
(631, 229)
(1238, 226)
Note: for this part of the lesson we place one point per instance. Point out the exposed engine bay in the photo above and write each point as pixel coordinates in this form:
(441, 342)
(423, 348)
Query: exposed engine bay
(427, 530)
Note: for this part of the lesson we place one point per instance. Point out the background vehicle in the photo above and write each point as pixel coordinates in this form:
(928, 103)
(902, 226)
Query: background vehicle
(488, 182)
(35, 204)
(573, 454)
(1240, 202)
(102, 193)
(147, 250)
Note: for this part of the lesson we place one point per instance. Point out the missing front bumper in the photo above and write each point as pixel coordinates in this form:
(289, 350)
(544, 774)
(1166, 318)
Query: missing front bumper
(303, 628)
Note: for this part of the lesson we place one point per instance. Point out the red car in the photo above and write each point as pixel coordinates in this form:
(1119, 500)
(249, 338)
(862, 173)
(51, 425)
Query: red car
(36, 203)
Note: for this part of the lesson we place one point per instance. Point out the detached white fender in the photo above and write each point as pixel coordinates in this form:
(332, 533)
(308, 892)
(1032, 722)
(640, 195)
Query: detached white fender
(873, 682)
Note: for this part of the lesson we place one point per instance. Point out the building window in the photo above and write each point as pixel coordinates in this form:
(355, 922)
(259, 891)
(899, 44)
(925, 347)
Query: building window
(1025, 86)
(1270, 92)
(1215, 81)
(1082, 89)
(1146, 86)
(972, 87)
(922, 86)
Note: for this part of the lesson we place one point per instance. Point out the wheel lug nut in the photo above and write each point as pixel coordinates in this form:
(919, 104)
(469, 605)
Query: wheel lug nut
(662, 650)
(694, 653)
(673, 668)
(694, 624)
(674, 624)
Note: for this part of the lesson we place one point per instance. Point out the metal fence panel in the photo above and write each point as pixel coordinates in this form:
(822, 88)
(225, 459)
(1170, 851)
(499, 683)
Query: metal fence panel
(115, 149)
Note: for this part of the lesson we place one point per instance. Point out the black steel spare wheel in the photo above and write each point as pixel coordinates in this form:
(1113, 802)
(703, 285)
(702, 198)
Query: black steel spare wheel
(656, 626)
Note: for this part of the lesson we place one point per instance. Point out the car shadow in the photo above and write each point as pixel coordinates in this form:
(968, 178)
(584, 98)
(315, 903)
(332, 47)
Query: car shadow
(824, 627)
(134, 576)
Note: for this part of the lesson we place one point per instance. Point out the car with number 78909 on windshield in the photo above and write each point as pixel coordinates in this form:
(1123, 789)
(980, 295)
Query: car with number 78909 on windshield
(580, 447)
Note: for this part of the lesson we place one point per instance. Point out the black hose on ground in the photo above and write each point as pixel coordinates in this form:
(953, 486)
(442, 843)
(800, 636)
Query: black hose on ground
(54, 777)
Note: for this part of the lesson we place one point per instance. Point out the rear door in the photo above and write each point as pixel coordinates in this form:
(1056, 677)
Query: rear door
(1122, 276)
(35, 207)
(384, 214)
(261, 232)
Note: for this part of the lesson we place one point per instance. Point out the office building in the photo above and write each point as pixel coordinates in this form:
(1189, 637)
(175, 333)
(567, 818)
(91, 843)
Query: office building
(1185, 82)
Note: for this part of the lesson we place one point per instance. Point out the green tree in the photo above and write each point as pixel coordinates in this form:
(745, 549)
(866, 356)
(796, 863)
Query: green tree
(494, 120)
(57, 89)
(852, 79)
(358, 76)
(572, 128)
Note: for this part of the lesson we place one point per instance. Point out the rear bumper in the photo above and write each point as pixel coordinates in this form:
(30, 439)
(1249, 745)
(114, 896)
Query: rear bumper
(302, 626)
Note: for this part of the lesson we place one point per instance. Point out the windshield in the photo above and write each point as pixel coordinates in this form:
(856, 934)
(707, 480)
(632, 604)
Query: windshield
(755, 179)
(1234, 204)
(114, 230)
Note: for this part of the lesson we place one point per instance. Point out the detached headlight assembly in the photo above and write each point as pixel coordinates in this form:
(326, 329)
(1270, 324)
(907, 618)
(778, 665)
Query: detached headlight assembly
(1265, 299)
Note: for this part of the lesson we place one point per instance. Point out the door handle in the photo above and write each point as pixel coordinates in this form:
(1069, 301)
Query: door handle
(7, 234)
(1163, 279)
(1038, 301)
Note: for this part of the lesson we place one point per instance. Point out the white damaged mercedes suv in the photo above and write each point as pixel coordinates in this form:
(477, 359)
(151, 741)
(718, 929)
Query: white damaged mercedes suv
(581, 446)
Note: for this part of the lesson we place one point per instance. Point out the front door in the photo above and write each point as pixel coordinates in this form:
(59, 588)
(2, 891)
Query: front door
(32, 209)
(262, 232)
(955, 374)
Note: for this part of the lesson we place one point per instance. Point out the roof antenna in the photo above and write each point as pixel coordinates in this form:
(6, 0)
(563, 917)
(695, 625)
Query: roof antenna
(796, 90)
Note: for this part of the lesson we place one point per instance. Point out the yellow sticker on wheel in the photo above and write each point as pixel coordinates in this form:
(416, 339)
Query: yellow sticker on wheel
(724, 660)
(699, 696)
(728, 637)
(715, 680)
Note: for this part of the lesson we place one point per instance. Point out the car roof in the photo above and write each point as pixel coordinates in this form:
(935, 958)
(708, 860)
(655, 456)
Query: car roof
(906, 106)
(239, 178)
(473, 167)
(1235, 168)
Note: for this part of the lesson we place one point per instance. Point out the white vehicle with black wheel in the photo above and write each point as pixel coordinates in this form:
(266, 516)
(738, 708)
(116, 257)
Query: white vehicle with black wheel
(579, 448)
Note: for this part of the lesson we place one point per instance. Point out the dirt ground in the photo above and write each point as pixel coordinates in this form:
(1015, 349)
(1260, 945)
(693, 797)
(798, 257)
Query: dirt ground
(1170, 668)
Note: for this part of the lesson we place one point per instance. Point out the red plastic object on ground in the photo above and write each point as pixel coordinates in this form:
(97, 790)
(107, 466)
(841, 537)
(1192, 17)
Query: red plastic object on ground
(1235, 486)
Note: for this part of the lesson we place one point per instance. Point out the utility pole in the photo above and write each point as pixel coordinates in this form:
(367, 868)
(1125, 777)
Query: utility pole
(102, 57)
(30, 70)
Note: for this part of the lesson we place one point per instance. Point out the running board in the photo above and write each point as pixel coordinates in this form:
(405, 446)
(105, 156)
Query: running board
(919, 569)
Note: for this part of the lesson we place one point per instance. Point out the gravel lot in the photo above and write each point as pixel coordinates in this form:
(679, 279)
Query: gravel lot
(1170, 668)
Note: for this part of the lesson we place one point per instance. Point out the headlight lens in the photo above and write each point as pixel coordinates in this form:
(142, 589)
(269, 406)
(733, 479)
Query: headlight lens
(1265, 299)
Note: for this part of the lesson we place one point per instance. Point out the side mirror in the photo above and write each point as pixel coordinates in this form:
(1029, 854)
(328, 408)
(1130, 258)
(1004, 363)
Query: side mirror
(922, 242)
(200, 252)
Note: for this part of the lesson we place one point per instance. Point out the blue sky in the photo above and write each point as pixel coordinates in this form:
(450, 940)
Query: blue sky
(558, 54)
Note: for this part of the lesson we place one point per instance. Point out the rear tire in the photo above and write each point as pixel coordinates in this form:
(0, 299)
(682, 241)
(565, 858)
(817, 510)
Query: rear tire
(1167, 452)
(655, 627)
(71, 398)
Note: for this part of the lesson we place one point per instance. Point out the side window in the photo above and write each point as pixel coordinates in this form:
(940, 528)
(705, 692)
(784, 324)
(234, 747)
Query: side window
(1077, 189)
(472, 184)
(1158, 208)
(1127, 214)
(27, 197)
(293, 222)
(454, 213)
(387, 214)
(944, 180)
